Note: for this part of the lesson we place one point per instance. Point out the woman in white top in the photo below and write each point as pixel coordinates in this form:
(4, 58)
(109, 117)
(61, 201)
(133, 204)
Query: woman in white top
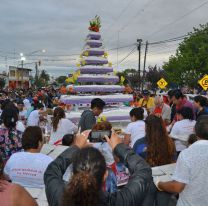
(136, 129)
(183, 128)
(61, 126)
(27, 168)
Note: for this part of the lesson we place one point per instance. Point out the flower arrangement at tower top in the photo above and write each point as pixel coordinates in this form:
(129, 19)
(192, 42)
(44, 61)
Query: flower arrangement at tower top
(95, 24)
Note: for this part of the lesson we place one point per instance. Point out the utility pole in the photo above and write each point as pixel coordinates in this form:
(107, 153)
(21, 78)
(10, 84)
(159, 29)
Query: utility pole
(139, 42)
(144, 69)
(36, 73)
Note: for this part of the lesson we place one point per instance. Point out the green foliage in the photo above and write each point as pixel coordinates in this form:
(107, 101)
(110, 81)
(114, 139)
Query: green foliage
(153, 75)
(190, 62)
(95, 22)
(45, 76)
(43, 79)
(131, 77)
(61, 79)
(2, 83)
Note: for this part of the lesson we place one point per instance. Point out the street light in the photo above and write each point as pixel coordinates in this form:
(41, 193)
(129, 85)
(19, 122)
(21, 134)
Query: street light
(36, 51)
(22, 59)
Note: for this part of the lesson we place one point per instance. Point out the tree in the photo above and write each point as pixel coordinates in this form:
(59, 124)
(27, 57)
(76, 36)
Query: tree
(131, 77)
(42, 80)
(190, 62)
(153, 75)
(2, 83)
(61, 79)
(44, 75)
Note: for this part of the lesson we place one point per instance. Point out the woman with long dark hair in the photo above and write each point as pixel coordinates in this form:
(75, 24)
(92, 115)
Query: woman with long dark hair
(156, 147)
(89, 173)
(10, 136)
(13, 194)
(61, 126)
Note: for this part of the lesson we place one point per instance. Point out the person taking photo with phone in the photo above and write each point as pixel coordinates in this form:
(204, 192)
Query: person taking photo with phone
(89, 173)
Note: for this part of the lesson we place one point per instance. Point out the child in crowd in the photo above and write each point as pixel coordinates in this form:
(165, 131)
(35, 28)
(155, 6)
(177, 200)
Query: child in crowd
(68, 139)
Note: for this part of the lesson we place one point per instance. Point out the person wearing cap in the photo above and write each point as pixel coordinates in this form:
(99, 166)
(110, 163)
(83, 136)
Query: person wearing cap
(147, 101)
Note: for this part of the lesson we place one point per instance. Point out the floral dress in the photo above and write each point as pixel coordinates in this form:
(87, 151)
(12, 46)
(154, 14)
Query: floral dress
(10, 142)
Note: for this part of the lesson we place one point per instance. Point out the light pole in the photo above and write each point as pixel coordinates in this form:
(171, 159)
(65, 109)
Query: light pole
(37, 63)
(36, 51)
(22, 58)
(139, 43)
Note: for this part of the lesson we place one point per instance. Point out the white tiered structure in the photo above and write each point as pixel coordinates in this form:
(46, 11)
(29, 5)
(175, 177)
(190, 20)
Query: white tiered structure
(97, 80)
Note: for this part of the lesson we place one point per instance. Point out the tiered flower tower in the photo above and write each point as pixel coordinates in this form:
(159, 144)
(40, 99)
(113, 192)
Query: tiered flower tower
(96, 76)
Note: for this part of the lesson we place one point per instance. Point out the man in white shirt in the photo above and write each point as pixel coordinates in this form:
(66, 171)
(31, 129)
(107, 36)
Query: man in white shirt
(27, 168)
(190, 177)
(136, 129)
(34, 117)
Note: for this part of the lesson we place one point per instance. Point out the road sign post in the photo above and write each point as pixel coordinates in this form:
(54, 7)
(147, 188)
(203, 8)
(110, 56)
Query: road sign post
(162, 83)
(204, 82)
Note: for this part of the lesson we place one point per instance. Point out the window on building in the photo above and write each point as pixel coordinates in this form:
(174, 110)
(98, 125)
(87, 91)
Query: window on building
(12, 73)
(26, 73)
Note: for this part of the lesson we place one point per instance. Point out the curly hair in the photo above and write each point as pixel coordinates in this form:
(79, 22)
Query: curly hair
(102, 126)
(89, 167)
(57, 116)
(160, 147)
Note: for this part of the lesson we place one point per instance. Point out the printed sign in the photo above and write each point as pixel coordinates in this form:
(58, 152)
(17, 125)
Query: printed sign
(204, 82)
(162, 83)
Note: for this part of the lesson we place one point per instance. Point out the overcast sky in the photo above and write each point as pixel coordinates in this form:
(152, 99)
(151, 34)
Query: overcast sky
(60, 27)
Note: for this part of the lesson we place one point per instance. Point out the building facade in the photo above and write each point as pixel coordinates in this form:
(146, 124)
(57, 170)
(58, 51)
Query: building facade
(19, 77)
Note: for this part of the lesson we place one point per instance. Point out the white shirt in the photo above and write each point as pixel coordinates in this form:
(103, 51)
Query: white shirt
(33, 119)
(23, 113)
(136, 130)
(166, 112)
(27, 169)
(20, 126)
(192, 169)
(65, 126)
(106, 151)
(181, 131)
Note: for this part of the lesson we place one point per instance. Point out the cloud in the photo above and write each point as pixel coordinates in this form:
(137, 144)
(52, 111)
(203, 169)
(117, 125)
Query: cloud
(60, 26)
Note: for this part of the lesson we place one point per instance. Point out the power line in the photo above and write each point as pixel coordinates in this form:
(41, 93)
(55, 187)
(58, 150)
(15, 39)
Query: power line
(120, 14)
(178, 19)
(134, 17)
(170, 40)
(130, 53)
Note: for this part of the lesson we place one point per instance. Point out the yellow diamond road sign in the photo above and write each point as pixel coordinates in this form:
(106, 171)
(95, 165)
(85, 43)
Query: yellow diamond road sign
(204, 82)
(162, 83)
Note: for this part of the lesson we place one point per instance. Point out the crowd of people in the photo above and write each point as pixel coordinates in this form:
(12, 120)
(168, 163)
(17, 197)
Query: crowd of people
(162, 131)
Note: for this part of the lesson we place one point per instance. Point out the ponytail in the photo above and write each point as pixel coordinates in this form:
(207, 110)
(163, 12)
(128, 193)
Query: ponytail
(82, 190)
(55, 123)
(57, 115)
